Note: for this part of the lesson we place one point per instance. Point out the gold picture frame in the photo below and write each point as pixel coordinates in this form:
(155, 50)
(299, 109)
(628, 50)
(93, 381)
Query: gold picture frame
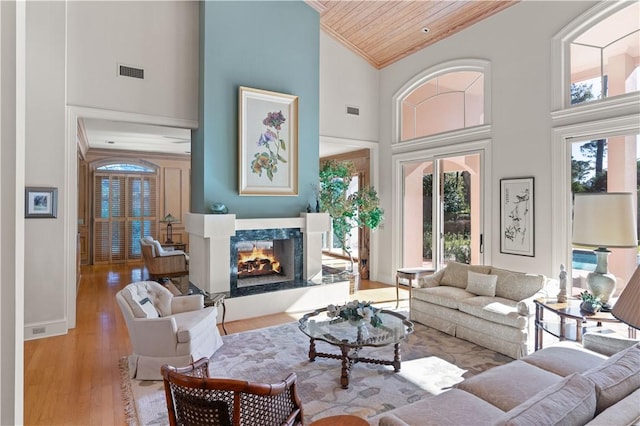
(267, 143)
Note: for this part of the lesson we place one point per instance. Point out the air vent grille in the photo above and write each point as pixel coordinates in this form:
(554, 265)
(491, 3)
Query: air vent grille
(126, 71)
(352, 110)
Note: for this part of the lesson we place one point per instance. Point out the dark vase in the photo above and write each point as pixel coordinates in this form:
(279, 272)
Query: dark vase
(590, 307)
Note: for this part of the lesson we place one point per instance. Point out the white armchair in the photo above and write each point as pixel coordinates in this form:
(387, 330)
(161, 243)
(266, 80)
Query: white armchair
(165, 329)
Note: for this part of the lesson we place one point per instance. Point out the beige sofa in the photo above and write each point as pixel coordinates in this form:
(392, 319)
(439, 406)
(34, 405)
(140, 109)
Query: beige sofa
(562, 384)
(488, 306)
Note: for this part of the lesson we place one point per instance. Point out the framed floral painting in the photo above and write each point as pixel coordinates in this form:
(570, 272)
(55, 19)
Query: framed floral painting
(268, 143)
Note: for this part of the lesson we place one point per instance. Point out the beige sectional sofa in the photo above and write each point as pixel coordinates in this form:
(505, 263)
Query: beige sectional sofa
(562, 384)
(489, 306)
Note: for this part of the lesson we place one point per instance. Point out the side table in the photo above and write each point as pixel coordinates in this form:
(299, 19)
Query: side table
(567, 310)
(217, 299)
(410, 274)
(341, 420)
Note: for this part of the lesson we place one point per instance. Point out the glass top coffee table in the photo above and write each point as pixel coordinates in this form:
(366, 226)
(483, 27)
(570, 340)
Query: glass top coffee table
(351, 338)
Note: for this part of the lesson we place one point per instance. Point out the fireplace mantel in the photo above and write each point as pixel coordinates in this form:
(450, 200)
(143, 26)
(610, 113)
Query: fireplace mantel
(209, 238)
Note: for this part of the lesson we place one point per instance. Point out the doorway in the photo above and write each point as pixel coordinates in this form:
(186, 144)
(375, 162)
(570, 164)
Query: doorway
(442, 211)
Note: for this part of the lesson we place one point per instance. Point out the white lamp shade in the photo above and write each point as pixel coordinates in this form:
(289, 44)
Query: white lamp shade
(604, 219)
(627, 308)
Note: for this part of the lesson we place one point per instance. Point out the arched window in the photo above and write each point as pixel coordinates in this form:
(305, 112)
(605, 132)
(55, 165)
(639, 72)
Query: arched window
(597, 56)
(126, 167)
(450, 101)
(605, 57)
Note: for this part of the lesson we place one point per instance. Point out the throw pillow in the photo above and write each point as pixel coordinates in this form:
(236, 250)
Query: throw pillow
(616, 378)
(571, 401)
(481, 284)
(148, 308)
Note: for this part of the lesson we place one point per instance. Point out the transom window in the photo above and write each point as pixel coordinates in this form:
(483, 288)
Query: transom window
(126, 167)
(450, 101)
(605, 59)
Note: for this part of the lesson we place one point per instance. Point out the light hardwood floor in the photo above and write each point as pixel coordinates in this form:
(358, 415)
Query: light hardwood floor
(74, 379)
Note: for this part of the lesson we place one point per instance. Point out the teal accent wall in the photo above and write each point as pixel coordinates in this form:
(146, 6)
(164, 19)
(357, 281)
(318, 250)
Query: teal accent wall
(269, 45)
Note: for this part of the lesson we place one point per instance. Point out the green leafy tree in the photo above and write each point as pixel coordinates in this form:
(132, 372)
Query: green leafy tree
(360, 209)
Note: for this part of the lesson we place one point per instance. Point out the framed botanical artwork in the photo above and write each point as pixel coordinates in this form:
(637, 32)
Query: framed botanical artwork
(516, 216)
(267, 143)
(40, 202)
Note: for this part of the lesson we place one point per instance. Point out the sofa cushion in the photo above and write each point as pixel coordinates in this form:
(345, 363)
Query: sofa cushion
(442, 295)
(509, 385)
(452, 407)
(494, 309)
(554, 358)
(571, 401)
(616, 377)
(516, 285)
(481, 284)
(455, 274)
(623, 412)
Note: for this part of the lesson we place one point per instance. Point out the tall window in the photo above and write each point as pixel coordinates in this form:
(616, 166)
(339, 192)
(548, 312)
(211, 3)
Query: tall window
(605, 58)
(125, 208)
(450, 101)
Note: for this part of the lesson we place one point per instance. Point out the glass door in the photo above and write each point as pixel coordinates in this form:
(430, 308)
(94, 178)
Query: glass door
(442, 211)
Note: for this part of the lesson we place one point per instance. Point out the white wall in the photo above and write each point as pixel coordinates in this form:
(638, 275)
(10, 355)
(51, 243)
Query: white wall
(160, 36)
(11, 220)
(72, 51)
(346, 79)
(45, 281)
(520, 55)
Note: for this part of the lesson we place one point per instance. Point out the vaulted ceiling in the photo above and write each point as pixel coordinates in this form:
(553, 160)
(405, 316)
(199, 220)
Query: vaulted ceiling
(383, 32)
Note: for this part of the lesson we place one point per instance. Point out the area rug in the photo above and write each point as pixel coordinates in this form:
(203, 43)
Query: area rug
(431, 363)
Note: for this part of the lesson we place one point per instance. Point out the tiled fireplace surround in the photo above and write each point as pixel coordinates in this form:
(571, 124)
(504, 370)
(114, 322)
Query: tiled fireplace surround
(210, 259)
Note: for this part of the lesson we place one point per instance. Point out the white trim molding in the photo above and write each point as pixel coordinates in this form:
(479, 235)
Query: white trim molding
(478, 65)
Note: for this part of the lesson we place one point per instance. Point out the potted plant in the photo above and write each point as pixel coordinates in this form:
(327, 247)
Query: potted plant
(590, 303)
(359, 209)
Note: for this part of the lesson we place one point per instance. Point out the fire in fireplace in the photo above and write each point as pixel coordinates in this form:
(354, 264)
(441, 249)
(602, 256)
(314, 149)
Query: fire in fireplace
(276, 263)
(257, 258)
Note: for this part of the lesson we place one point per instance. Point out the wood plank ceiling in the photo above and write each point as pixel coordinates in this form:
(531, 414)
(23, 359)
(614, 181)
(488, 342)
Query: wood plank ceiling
(383, 32)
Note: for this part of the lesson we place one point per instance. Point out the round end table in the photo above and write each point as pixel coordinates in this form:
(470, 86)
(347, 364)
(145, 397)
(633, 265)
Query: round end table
(341, 420)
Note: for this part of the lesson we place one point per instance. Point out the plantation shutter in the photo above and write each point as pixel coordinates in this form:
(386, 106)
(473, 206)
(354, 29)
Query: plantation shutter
(125, 208)
(142, 191)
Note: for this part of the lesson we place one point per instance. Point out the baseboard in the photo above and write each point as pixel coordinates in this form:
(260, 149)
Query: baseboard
(45, 329)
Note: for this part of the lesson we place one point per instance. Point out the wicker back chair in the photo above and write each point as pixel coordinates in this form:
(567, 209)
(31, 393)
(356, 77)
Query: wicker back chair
(193, 398)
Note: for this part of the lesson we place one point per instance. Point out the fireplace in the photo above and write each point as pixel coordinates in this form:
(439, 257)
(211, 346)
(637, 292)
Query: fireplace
(263, 260)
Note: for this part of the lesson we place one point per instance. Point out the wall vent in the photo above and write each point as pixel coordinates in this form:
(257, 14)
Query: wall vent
(353, 110)
(127, 71)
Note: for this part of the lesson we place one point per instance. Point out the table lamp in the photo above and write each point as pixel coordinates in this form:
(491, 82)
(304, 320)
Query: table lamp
(603, 220)
(627, 308)
(168, 219)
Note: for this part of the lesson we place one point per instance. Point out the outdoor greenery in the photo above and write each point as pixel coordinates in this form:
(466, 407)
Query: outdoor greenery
(457, 209)
(360, 209)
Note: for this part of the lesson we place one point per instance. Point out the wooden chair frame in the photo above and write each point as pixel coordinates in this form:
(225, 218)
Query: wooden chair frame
(195, 398)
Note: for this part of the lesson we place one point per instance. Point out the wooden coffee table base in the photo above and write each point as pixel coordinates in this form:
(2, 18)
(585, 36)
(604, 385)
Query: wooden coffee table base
(349, 360)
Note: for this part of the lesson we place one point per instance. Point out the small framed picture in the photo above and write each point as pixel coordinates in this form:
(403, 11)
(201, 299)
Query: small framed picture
(40, 202)
(516, 216)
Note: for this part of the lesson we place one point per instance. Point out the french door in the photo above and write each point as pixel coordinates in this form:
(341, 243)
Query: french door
(442, 205)
(125, 207)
